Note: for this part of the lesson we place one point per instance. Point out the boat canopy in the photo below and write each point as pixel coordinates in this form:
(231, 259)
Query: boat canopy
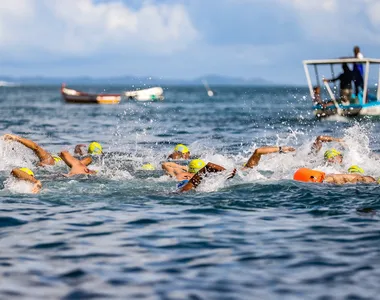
(338, 61)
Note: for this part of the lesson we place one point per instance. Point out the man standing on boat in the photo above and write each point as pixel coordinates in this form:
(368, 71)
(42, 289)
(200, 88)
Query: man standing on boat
(345, 79)
(358, 71)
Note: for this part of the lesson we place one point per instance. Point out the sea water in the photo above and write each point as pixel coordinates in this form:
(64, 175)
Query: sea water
(127, 234)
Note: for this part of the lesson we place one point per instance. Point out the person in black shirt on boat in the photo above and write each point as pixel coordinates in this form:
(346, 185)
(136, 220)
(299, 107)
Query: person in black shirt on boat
(345, 79)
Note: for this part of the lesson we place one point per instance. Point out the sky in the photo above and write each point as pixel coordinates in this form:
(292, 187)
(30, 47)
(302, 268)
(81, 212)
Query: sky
(182, 39)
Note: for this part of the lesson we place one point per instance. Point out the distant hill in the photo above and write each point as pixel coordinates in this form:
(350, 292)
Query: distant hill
(220, 80)
(133, 80)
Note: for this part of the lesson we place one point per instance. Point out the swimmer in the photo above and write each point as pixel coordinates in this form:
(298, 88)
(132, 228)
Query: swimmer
(317, 145)
(94, 148)
(197, 178)
(254, 160)
(180, 152)
(333, 156)
(191, 176)
(27, 175)
(76, 166)
(180, 172)
(45, 158)
(308, 175)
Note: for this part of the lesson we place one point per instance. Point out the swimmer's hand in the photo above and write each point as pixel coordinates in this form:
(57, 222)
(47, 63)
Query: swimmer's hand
(90, 172)
(232, 175)
(37, 187)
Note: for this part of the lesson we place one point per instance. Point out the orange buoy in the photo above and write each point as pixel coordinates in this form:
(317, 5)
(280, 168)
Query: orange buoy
(309, 175)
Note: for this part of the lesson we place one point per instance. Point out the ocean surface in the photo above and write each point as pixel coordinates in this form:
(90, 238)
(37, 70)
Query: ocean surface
(127, 234)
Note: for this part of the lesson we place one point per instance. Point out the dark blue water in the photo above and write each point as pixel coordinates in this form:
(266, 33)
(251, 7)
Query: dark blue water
(126, 234)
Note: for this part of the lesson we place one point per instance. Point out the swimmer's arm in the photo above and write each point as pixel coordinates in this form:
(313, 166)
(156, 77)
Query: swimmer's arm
(317, 145)
(86, 161)
(369, 179)
(44, 156)
(69, 159)
(339, 178)
(212, 168)
(25, 176)
(256, 156)
(348, 178)
(77, 167)
(78, 170)
(197, 178)
(168, 167)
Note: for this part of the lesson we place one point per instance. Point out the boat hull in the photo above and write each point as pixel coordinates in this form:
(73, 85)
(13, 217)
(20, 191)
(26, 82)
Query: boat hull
(77, 97)
(151, 94)
(368, 109)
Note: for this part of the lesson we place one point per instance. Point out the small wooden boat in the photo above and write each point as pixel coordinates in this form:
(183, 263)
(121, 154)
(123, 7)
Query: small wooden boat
(151, 94)
(73, 96)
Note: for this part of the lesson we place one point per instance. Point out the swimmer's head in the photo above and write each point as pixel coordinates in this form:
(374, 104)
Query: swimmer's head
(181, 148)
(56, 158)
(333, 156)
(195, 165)
(180, 151)
(355, 169)
(27, 171)
(95, 148)
(148, 167)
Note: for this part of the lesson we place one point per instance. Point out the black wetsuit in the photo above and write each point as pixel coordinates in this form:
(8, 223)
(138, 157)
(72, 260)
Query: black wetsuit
(345, 79)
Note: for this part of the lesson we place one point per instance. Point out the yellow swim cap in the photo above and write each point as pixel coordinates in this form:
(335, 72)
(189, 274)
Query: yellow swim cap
(195, 165)
(148, 167)
(355, 169)
(27, 171)
(56, 158)
(181, 148)
(95, 148)
(331, 153)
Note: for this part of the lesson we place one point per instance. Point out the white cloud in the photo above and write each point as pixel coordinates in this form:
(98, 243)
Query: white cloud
(81, 27)
(373, 12)
(338, 20)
